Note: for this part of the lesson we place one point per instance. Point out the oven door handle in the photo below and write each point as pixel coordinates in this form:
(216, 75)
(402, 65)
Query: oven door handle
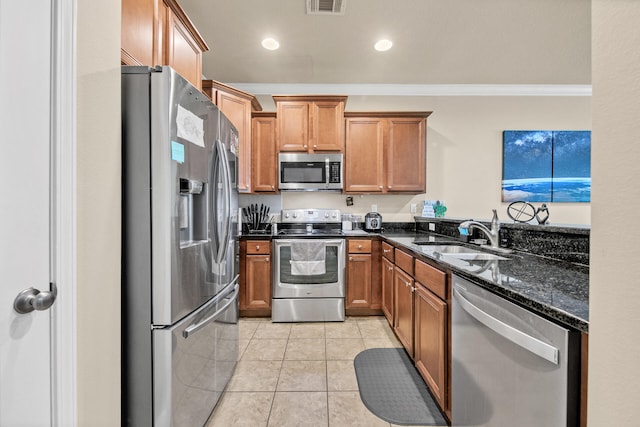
(532, 344)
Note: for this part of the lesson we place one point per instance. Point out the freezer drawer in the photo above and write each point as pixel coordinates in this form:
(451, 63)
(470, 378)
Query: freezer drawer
(194, 361)
(509, 365)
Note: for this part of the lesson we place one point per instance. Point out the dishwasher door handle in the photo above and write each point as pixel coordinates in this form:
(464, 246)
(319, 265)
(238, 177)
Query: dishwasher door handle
(508, 332)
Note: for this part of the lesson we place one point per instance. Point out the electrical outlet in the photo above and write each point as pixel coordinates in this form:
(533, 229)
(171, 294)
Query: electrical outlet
(374, 208)
(414, 208)
(432, 226)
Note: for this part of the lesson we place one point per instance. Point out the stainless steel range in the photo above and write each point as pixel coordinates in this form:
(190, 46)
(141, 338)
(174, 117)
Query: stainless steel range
(309, 267)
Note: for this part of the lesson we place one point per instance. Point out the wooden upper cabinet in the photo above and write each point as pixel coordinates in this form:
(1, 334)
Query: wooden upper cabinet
(385, 152)
(183, 44)
(406, 155)
(139, 32)
(237, 106)
(310, 123)
(364, 155)
(158, 32)
(264, 157)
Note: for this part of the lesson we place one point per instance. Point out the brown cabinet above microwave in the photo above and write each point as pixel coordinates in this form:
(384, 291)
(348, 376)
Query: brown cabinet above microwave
(310, 123)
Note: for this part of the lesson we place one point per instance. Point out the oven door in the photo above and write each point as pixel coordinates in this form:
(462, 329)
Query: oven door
(287, 284)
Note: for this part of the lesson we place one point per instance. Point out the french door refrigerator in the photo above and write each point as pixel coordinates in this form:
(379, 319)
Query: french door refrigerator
(179, 250)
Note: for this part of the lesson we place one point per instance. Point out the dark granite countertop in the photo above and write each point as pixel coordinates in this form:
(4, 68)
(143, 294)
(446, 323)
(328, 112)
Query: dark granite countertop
(556, 289)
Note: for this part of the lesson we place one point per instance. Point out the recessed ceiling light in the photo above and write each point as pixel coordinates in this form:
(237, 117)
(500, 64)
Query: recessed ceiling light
(383, 45)
(270, 43)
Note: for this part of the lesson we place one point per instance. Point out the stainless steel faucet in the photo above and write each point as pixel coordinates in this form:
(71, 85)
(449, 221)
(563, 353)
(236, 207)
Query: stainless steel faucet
(492, 234)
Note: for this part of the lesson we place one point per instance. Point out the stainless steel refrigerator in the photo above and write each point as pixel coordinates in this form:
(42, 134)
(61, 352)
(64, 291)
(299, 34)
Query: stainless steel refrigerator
(179, 250)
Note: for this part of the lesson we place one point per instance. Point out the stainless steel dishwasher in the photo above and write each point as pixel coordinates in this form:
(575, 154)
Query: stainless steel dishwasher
(510, 367)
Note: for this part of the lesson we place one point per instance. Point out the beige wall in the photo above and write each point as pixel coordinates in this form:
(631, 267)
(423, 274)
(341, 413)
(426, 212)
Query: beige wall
(98, 212)
(464, 153)
(614, 374)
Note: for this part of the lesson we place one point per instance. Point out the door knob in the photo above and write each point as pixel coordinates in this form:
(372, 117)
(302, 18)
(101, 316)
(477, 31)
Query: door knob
(32, 299)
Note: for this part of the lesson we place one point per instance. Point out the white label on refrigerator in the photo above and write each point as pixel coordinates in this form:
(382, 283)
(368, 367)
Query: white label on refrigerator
(190, 126)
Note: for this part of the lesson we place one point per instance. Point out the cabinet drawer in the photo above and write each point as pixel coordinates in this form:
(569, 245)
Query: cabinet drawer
(404, 261)
(259, 247)
(432, 278)
(357, 246)
(387, 251)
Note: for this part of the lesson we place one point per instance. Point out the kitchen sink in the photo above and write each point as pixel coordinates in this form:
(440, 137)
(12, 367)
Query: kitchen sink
(464, 253)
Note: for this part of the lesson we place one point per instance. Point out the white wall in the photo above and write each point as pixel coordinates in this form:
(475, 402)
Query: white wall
(614, 373)
(98, 212)
(464, 152)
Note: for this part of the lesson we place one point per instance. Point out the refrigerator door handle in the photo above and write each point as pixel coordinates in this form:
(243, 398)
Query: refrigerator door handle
(534, 345)
(197, 326)
(226, 191)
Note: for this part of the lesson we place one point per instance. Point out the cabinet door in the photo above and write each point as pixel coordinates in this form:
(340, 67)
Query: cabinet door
(327, 133)
(258, 282)
(139, 32)
(405, 154)
(387, 289)
(183, 53)
(403, 308)
(431, 341)
(358, 281)
(264, 158)
(364, 155)
(293, 125)
(238, 111)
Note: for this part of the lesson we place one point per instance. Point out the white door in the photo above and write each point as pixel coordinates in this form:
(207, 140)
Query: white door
(26, 340)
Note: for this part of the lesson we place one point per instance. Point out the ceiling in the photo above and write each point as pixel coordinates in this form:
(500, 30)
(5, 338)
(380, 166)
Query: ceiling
(435, 42)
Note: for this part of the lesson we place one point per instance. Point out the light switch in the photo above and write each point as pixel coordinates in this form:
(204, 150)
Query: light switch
(413, 208)
(432, 226)
(374, 208)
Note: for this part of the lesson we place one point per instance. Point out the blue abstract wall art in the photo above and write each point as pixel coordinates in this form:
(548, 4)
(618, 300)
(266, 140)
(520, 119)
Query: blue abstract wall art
(546, 166)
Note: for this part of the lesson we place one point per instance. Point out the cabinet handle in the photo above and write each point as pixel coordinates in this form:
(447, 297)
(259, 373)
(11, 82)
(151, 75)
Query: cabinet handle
(380, 187)
(359, 246)
(304, 146)
(350, 258)
(386, 250)
(273, 188)
(266, 260)
(257, 247)
(390, 268)
(315, 146)
(407, 284)
(389, 187)
(413, 289)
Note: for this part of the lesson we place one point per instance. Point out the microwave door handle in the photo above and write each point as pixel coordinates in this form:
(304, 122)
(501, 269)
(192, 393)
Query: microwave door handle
(197, 326)
(327, 177)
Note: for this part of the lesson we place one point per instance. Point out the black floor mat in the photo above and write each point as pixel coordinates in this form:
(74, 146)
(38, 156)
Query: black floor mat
(391, 387)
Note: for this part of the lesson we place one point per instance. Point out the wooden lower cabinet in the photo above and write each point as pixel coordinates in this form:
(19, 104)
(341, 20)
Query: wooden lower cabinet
(403, 286)
(430, 338)
(363, 290)
(255, 283)
(387, 289)
(359, 273)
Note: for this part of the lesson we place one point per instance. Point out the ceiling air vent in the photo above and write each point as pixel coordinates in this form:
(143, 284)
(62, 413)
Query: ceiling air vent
(326, 7)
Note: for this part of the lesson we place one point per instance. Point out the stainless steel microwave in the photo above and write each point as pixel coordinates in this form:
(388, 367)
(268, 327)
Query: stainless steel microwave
(310, 172)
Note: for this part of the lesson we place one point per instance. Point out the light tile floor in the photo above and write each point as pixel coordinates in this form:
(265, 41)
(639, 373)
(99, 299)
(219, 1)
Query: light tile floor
(301, 374)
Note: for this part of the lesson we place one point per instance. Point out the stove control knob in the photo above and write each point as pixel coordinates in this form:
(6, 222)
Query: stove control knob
(326, 214)
(295, 215)
(286, 215)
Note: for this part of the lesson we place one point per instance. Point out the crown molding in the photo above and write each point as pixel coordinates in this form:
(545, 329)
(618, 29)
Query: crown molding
(413, 89)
